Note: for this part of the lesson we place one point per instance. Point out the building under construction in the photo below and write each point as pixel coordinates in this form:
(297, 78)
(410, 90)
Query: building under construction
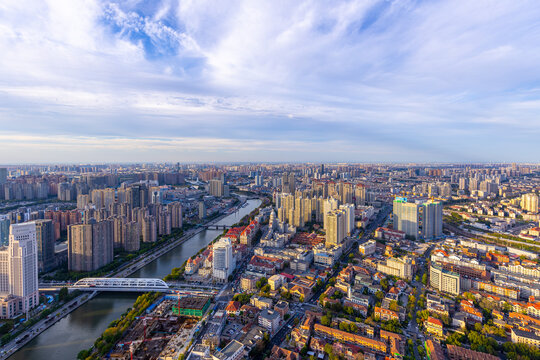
(191, 306)
(149, 335)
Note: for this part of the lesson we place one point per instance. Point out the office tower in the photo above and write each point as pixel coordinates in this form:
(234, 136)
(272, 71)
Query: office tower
(175, 209)
(444, 280)
(348, 210)
(432, 225)
(406, 217)
(90, 246)
(215, 188)
(82, 201)
(149, 229)
(223, 261)
(22, 266)
(529, 202)
(4, 230)
(3, 176)
(45, 245)
(202, 210)
(335, 230)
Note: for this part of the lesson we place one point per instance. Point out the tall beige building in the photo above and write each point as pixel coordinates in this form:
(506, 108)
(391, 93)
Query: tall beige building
(335, 230)
(400, 267)
(529, 202)
(19, 270)
(175, 209)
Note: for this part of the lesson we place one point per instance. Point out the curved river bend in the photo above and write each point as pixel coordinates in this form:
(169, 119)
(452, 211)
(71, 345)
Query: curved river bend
(82, 327)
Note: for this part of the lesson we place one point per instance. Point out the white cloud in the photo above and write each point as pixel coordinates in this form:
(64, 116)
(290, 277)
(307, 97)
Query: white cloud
(443, 79)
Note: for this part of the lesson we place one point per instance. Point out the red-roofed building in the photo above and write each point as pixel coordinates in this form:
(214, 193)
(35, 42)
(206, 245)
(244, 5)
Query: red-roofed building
(233, 308)
(434, 326)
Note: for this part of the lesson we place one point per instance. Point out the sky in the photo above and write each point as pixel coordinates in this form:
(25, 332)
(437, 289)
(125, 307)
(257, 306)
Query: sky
(281, 81)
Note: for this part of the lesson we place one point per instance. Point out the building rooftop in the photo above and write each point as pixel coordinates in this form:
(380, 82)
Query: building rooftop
(196, 303)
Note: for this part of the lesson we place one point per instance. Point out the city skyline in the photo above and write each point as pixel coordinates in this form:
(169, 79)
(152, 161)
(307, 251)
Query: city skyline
(357, 81)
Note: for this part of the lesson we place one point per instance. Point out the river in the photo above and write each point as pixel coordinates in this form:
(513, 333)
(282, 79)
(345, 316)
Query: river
(82, 327)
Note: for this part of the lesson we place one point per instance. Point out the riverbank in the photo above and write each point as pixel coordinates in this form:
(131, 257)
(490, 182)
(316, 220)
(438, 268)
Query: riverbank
(93, 325)
(42, 325)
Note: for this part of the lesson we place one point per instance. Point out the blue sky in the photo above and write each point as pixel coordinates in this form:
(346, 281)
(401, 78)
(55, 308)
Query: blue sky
(366, 81)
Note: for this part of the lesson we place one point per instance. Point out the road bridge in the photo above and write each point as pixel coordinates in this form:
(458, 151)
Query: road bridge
(217, 227)
(132, 285)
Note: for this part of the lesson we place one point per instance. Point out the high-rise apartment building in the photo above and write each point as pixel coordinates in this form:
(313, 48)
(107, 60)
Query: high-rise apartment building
(335, 230)
(202, 210)
(288, 183)
(529, 202)
(175, 209)
(418, 220)
(432, 226)
(348, 210)
(149, 229)
(406, 217)
(45, 245)
(216, 188)
(90, 246)
(223, 262)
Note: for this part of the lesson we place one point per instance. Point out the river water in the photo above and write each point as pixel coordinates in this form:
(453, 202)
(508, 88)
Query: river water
(82, 327)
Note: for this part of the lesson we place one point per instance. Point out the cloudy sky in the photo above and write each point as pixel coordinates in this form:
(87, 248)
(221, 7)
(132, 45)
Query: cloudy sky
(196, 80)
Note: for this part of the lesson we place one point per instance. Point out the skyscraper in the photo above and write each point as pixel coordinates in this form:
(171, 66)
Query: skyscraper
(45, 244)
(19, 267)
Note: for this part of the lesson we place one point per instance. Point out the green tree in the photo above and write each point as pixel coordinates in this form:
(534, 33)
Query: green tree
(326, 320)
(63, 294)
(424, 279)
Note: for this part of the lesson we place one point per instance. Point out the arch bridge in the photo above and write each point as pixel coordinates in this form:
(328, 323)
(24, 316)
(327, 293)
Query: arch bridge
(121, 284)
